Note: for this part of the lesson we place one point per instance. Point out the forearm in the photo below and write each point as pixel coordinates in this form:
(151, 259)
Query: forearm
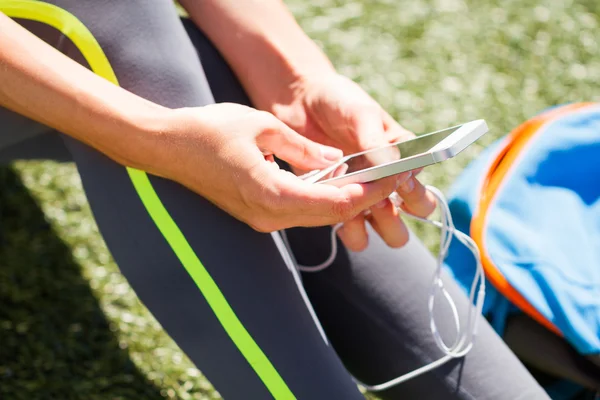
(41, 83)
(262, 42)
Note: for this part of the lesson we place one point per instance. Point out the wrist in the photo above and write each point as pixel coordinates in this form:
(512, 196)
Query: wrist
(144, 140)
(263, 44)
(289, 69)
(299, 58)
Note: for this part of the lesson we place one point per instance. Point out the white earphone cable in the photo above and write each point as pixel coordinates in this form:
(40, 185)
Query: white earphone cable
(465, 337)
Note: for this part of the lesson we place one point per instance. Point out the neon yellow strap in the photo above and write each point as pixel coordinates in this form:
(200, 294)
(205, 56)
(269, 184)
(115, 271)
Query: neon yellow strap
(83, 39)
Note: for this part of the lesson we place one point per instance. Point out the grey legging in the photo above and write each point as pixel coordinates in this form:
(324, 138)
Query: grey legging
(243, 320)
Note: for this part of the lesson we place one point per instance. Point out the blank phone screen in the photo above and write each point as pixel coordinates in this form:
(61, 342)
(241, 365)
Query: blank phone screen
(393, 152)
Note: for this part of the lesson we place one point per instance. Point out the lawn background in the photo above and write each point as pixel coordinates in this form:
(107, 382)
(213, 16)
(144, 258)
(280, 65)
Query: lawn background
(70, 325)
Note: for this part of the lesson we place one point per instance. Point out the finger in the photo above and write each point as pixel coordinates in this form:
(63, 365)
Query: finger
(416, 199)
(369, 129)
(297, 150)
(322, 204)
(355, 198)
(354, 233)
(384, 219)
(394, 132)
(417, 171)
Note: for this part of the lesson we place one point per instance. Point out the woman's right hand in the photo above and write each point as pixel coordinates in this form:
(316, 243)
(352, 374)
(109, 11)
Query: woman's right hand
(225, 152)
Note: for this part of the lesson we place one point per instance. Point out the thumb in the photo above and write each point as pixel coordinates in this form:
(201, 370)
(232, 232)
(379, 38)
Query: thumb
(368, 129)
(298, 151)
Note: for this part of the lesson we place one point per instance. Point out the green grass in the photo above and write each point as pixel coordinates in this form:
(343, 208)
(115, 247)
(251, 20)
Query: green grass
(70, 325)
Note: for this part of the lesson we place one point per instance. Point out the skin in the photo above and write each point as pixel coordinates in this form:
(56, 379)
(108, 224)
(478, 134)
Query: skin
(290, 77)
(306, 115)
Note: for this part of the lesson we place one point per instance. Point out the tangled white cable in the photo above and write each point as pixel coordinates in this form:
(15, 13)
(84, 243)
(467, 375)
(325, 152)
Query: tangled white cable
(465, 337)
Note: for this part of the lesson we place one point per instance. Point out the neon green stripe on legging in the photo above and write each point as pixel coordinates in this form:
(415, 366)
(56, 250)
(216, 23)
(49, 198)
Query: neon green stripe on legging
(71, 27)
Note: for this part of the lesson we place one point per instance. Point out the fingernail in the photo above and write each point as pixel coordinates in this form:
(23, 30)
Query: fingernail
(408, 186)
(382, 203)
(402, 178)
(331, 154)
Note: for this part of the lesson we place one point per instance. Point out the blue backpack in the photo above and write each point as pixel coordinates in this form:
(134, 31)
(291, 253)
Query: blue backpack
(531, 202)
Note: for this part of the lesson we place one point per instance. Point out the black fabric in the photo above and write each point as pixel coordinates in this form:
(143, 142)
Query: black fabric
(528, 339)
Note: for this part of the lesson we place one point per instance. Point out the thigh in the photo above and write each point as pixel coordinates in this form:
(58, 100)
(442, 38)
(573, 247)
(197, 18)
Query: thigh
(16, 129)
(22, 138)
(47, 146)
(220, 289)
(373, 307)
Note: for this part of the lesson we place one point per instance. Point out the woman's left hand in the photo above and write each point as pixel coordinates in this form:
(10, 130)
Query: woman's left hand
(333, 110)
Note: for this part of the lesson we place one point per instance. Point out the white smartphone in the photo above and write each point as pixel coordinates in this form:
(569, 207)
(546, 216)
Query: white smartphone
(399, 157)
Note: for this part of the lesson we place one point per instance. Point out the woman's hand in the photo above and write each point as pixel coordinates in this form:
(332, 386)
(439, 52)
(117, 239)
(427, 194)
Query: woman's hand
(286, 73)
(333, 110)
(225, 152)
